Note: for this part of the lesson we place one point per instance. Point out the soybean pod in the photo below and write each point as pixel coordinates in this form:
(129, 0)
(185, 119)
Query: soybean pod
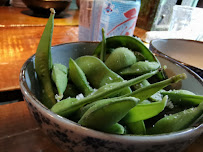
(140, 68)
(60, 78)
(78, 78)
(43, 63)
(145, 111)
(65, 109)
(178, 121)
(120, 58)
(149, 90)
(97, 73)
(183, 97)
(110, 111)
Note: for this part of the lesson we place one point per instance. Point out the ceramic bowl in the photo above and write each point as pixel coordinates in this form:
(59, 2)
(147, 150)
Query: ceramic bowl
(43, 6)
(72, 137)
(187, 52)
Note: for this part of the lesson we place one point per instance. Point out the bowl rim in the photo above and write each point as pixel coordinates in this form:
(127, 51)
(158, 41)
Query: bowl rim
(198, 130)
(157, 51)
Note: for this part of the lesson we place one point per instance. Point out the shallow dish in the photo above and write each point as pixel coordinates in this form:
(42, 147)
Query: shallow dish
(187, 52)
(72, 137)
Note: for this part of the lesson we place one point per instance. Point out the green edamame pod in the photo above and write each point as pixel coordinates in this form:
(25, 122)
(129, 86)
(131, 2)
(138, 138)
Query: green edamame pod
(147, 91)
(155, 97)
(68, 108)
(43, 63)
(183, 97)
(132, 43)
(60, 107)
(137, 128)
(115, 129)
(178, 121)
(78, 78)
(110, 111)
(145, 111)
(120, 58)
(97, 73)
(103, 49)
(59, 76)
(139, 68)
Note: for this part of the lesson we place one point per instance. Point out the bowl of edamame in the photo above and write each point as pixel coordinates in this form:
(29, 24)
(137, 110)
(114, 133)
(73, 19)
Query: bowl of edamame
(113, 95)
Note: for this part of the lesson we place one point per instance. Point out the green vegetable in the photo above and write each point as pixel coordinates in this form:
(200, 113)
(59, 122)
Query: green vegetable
(65, 109)
(43, 63)
(183, 97)
(139, 68)
(120, 58)
(107, 112)
(115, 129)
(103, 47)
(78, 78)
(145, 111)
(137, 128)
(97, 73)
(147, 91)
(59, 76)
(178, 121)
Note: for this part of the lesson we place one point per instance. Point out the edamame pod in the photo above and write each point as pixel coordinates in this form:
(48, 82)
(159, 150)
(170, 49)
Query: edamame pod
(140, 68)
(69, 107)
(97, 73)
(43, 63)
(103, 49)
(178, 121)
(132, 43)
(115, 129)
(147, 91)
(155, 97)
(78, 78)
(60, 107)
(145, 111)
(60, 78)
(110, 111)
(137, 128)
(183, 97)
(120, 58)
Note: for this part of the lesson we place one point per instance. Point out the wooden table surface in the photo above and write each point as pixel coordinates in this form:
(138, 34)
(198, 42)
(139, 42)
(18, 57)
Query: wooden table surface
(19, 38)
(20, 32)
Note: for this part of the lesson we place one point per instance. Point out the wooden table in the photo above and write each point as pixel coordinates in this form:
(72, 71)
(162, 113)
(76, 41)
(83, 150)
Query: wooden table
(19, 38)
(20, 32)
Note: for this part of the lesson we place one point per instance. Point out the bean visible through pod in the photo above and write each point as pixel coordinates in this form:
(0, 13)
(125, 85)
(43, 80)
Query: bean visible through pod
(43, 63)
(110, 111)
(178, 121)
(139, 68)
(65, 109)
(120, 58)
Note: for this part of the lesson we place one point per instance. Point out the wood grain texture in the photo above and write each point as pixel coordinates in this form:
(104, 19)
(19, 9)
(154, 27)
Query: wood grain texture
(20, 133)
(17, 44)
(13, 16)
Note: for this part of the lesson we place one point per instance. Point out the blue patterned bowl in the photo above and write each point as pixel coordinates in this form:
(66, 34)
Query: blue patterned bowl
(71, 136)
